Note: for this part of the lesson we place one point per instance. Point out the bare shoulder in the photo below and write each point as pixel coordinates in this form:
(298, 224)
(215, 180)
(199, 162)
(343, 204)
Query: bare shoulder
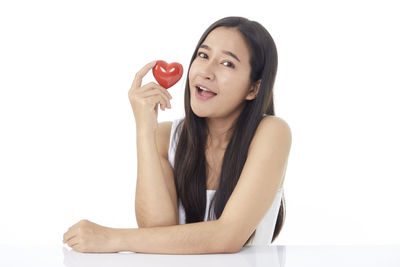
(273, 130)
(163, 136)
(276, 121)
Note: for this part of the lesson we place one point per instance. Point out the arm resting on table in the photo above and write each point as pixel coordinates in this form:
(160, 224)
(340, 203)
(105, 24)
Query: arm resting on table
(192, 238)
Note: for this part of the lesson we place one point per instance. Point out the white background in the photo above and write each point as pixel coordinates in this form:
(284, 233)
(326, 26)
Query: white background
(67, 136)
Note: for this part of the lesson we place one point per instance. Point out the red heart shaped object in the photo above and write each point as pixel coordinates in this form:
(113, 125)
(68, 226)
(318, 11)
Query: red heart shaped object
(167, 74)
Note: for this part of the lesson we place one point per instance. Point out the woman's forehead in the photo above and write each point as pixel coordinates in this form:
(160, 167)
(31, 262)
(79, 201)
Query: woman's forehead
(230, 39)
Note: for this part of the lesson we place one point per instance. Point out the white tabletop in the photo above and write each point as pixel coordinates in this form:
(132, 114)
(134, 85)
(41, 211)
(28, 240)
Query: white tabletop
(271, 256)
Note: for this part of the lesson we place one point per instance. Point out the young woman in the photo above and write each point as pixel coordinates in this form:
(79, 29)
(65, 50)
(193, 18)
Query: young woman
(212, 181)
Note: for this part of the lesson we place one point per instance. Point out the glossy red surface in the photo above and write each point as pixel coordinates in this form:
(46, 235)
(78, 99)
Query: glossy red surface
(167, 74)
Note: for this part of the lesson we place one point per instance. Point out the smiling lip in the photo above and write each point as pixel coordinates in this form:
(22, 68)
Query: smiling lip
(200, 85)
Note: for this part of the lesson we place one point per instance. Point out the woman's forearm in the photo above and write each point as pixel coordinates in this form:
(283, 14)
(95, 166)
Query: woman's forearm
(192, 238)
(153, 204)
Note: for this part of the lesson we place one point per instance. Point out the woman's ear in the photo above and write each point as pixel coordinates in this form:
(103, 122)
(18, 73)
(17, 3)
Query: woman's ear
(255, 87)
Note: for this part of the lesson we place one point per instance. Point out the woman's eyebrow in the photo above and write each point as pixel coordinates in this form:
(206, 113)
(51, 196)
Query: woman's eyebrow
(229, 53)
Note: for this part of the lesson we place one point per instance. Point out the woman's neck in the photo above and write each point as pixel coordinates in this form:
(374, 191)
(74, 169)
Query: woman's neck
(220, 130)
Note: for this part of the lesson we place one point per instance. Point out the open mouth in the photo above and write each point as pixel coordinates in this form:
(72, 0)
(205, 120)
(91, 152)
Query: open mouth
(204, 92)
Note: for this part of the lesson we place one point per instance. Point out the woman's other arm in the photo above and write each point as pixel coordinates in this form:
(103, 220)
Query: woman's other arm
(207, 237)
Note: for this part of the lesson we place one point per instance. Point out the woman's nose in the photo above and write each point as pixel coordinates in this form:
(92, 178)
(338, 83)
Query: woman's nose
(207, 71)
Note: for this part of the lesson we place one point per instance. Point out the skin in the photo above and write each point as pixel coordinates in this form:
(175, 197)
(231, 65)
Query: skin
(226, 76)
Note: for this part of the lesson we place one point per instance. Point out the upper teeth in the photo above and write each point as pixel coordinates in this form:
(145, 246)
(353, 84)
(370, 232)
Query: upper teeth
(202, 88)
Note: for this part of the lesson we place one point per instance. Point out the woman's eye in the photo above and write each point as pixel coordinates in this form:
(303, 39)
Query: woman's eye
(231, 65)
(200, 54)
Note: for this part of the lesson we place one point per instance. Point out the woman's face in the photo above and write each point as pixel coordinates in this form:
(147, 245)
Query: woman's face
(222, 64)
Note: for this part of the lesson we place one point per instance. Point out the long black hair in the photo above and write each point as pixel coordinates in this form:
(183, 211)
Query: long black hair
(190, 162)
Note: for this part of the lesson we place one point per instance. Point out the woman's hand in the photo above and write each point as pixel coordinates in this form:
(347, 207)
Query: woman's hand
(86, 236)
(145, 99)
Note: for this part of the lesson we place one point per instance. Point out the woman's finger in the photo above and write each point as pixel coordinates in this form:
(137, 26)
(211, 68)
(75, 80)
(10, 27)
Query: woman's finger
(68, 235)
(73, 241)
(151, 85)
(157, 99)
(156, 92)
(137, 82)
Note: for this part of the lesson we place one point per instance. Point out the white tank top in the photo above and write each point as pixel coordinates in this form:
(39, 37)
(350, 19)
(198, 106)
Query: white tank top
(265, 229)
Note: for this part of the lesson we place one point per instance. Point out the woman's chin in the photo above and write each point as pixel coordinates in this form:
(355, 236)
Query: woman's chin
(199, 112)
